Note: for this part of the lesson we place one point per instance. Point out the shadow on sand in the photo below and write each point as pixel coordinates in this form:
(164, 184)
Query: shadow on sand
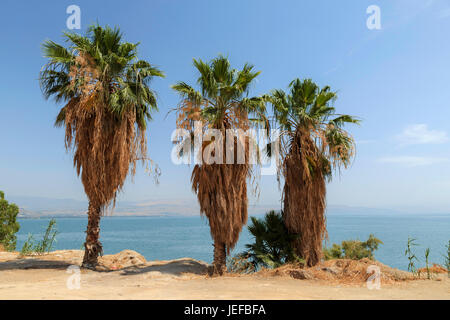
(25, 264)
(174, 267)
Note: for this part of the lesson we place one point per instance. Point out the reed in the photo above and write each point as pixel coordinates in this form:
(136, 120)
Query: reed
(411, 256)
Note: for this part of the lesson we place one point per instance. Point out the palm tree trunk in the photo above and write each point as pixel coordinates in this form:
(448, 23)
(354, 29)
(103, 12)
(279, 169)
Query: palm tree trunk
(220, 257)
(93, 247)
(304, 204)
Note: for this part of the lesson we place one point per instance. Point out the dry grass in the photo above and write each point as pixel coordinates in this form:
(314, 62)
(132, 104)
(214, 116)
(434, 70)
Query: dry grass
(341, 271)
(436, 268)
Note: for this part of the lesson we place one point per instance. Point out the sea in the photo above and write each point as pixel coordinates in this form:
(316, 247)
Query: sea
(164, 238)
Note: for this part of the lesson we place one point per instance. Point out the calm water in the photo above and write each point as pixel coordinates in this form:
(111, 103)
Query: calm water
(160, 238)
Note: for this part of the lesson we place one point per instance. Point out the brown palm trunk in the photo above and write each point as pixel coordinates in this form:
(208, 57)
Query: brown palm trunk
(93, 247)
(304, 201)
(220, 257)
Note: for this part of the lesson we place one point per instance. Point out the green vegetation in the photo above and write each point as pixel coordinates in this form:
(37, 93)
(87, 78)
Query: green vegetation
(410, 255)
(273, 243)
(240, 263)
(8, 223)
(45, 245)
(27, 247)
(353, 249)
(427, 266)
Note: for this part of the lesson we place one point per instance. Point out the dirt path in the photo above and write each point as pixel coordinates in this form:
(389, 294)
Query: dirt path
(46, 278)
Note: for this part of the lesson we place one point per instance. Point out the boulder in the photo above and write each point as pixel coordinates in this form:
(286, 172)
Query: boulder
(301, 274)
(123, 259)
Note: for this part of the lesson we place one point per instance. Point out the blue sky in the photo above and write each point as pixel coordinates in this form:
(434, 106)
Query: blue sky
(396, 79)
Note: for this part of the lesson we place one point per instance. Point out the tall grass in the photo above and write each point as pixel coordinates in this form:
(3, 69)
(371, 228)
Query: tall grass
(45, 245)
(427, 265)
(411, 256)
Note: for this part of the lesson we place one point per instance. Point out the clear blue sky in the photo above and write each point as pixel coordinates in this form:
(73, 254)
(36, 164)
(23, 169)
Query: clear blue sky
(396, 79)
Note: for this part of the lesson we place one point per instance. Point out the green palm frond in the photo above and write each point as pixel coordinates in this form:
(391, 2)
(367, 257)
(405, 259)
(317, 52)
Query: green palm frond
(308, 109)
(126, 77)
(223, 90)
(272, 244)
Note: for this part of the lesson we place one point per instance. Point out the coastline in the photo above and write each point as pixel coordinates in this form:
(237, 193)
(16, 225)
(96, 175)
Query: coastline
(167, 238)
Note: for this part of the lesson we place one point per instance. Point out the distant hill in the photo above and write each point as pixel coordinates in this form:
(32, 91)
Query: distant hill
(36, 207)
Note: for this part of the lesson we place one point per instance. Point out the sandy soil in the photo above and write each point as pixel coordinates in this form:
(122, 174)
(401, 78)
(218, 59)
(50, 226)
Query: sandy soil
(128, 276)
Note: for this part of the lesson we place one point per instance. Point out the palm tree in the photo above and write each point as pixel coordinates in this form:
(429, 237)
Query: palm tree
(313, 144)
(107, 103)
(272, 242)
(222, 103)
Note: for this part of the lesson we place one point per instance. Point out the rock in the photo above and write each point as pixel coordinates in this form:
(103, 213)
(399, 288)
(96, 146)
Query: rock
(123, 259)
(332, 270)
(301, 274)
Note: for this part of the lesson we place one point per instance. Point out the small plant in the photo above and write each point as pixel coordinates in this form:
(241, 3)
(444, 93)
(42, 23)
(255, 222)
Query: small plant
(273, 243)
(427, 266)
(240, 264)
(353, 249)
(411, 256)
(45, 245)
(27, 247)
(8, 223)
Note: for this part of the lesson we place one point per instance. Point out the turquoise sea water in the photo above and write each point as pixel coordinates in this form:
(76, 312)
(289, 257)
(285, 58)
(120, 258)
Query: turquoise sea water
(161, 238)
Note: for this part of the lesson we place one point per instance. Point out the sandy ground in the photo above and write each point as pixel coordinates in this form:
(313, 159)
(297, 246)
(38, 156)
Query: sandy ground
(129, 276)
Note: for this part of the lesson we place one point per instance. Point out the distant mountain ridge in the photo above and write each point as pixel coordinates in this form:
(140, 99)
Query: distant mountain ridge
(39, 207)
(36, 207)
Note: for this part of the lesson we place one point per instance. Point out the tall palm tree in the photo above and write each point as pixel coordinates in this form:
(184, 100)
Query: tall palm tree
(222, 103)
(313, 144)
(107, 102)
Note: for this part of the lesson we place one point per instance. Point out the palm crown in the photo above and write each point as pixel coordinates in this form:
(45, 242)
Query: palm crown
(306, 113)
(222, 100)
(100, 63)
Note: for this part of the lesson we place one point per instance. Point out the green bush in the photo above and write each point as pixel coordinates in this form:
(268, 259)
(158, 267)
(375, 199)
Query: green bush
(335, 252)
(353, 249)
(45, 245)
(8, 223)
(272, 246)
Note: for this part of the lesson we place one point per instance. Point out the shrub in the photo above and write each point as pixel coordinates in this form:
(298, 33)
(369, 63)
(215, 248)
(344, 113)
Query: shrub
(353, 249)
(272, 246)
(8, 223)
(335, 252)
